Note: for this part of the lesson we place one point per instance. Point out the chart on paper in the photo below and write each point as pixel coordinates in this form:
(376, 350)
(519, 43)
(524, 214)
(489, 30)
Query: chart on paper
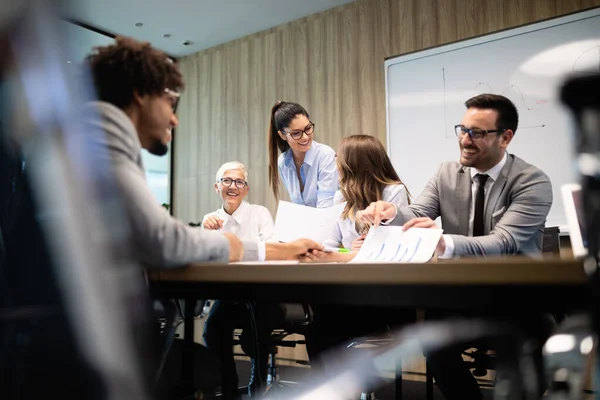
(393, 244)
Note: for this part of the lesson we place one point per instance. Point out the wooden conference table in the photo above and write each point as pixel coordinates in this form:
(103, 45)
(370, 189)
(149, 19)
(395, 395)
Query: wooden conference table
(492, 284)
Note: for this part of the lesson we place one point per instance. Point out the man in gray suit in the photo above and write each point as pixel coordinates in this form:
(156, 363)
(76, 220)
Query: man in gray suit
(517, 196)
(490, 203)
(137, 87)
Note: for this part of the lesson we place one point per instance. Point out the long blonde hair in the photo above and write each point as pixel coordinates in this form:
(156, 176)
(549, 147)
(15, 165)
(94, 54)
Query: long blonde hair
(365, 170)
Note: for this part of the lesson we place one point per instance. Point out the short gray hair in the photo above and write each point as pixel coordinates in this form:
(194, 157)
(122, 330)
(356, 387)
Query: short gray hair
(230, 166)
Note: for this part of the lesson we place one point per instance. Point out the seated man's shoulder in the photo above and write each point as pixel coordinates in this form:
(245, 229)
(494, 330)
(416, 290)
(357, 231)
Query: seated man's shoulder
(524, 170)
(450, 167)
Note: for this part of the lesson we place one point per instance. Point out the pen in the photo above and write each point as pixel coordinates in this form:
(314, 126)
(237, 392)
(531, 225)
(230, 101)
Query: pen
(335, 250)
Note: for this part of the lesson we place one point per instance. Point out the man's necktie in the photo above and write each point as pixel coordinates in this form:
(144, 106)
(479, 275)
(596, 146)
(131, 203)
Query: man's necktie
(479, 204)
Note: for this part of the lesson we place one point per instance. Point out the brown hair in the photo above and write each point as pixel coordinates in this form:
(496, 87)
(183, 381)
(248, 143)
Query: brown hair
(365, 170)
(508, 116)
(282, 115)
(127, 67)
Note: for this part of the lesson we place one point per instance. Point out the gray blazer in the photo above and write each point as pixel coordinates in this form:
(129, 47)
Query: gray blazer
(515, 212)
(159, 239)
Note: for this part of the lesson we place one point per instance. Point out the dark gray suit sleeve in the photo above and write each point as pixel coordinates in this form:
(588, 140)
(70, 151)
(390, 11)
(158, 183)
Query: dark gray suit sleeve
(524, 217)
(426, 205)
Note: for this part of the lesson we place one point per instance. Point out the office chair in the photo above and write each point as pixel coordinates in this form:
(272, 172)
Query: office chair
(297, 317)
(170, 317)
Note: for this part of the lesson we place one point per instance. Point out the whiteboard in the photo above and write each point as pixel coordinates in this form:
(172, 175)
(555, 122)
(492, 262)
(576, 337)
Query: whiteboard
(426, 91)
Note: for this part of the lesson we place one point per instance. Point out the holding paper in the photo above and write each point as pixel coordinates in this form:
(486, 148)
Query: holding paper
(295, 221)
(393, 244)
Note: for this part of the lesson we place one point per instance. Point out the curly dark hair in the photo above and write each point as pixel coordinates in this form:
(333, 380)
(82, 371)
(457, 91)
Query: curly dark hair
(129, 66)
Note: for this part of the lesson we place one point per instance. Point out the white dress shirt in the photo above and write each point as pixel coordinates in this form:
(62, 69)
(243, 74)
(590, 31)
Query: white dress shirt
(345, 231)
(493, 174)
(250, 222)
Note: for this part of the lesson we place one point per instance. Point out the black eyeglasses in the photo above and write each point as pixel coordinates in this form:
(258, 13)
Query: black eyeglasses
(475, 134)
(296, 135)
(239, 183)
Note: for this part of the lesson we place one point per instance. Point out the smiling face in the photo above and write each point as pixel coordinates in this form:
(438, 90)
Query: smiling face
(157, 120)
(299, 124)
(232, 196)
(488, 151)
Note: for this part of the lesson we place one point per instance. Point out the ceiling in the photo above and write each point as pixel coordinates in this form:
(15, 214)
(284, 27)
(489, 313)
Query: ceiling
(207, 23)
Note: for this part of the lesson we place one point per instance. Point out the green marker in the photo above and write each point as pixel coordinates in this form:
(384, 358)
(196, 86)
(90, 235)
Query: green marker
(335, 250)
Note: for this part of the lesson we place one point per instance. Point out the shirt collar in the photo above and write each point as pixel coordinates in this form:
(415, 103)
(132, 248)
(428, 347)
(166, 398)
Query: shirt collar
(493, 172)
(237, 215)
(309, 157)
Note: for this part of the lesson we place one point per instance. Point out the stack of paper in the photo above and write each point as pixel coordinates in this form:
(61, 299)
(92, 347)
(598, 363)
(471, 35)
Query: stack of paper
(393, 244)
(295, 221)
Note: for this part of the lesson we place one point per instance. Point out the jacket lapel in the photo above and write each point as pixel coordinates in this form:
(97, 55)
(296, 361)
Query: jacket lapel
(463, 200)
(494, 196)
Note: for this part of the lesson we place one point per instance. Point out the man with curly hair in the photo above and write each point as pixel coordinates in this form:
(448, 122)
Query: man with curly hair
(138, 90)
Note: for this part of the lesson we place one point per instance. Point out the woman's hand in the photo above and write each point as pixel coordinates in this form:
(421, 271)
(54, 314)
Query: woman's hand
(358, 242)
(213, 223)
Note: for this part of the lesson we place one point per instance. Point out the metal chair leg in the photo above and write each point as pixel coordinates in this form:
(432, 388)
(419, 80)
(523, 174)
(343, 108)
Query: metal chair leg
(428, 383)
(398, 380)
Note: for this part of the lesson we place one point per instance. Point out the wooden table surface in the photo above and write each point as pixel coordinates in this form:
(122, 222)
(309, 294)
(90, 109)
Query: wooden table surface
(472, 279)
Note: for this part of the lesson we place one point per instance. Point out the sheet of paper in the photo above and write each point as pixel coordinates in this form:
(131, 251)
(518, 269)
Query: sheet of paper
(295, 221)
(392, 244)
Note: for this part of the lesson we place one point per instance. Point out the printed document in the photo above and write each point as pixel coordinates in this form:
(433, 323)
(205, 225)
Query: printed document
(393, 244)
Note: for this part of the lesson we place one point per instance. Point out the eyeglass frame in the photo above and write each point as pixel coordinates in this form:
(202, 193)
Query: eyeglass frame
(470, 132)
(311, 125)
(232, 181)
(177, 97)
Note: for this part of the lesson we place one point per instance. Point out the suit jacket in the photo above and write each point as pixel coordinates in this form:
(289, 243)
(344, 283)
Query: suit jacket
(159, 239)
(515, 212)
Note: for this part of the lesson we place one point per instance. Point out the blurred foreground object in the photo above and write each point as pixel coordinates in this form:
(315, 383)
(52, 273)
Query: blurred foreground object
(581, 95)
(73, 304)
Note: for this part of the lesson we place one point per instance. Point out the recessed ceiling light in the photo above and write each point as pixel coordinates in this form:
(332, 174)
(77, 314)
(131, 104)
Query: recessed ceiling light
(167, 35)
(139, 24)
(187, 43)
(68, 62)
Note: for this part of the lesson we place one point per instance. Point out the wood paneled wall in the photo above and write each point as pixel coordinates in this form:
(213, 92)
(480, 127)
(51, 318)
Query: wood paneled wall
(332, 63)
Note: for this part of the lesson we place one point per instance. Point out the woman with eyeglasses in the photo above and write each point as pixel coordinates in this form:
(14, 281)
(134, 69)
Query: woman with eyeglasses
(249, 222)
(246, 221)
(307, 168)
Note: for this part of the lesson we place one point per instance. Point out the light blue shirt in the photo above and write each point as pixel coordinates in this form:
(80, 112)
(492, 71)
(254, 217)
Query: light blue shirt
(345, 231)
(318, 172)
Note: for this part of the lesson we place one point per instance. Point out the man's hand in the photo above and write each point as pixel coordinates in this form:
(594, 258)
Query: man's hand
(358, 242)
(377, 212)
(426, 222)
(300, 247)
(213, 223)
(318, 256)
(236, 248)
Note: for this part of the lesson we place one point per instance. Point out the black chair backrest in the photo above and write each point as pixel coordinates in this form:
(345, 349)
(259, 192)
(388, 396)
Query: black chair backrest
(551, 240)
